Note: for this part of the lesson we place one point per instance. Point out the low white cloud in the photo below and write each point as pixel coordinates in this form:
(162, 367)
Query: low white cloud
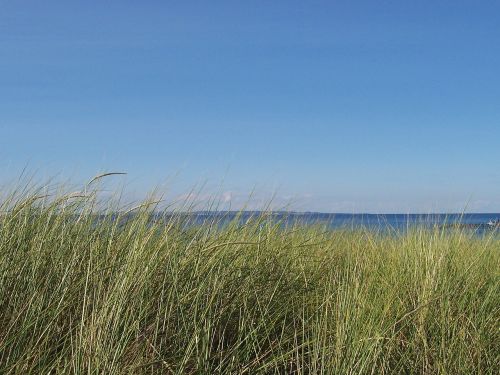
(227, 196)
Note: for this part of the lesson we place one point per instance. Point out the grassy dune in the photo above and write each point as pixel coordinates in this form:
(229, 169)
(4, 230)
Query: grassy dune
(131, 297)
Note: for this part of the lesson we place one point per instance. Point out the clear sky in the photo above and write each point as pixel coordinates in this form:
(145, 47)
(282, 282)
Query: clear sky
(336, 106)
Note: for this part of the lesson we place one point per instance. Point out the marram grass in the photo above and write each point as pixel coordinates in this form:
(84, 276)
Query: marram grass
(87, 291)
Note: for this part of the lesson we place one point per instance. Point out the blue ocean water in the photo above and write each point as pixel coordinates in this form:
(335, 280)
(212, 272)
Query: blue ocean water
(397, 221)
(474, 221)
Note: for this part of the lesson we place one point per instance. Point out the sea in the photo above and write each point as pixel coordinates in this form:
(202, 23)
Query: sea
(480, 222)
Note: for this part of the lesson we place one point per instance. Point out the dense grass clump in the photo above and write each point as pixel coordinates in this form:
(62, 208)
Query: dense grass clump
(87, 290)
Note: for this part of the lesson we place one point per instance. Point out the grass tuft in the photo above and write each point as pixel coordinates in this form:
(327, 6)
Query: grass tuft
(87, 289)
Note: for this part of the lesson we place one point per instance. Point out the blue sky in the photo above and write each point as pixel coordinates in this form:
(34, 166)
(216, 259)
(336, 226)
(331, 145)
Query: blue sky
(355, 106)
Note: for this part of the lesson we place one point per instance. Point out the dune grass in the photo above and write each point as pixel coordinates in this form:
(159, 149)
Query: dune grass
(120, 294)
